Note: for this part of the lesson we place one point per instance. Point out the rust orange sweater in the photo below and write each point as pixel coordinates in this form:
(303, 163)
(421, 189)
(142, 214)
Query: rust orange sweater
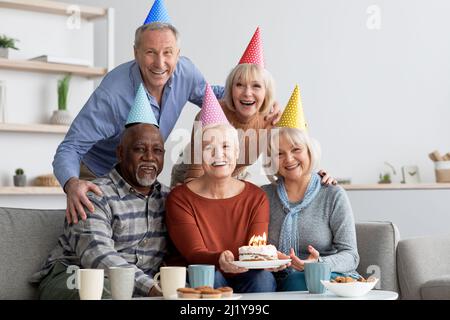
(203, 228)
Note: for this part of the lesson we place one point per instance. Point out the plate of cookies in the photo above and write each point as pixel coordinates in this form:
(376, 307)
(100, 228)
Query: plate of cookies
(350, 287)
(205, 293)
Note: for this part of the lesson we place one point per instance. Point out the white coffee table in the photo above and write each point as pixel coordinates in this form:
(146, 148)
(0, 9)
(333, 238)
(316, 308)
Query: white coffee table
(305, 295)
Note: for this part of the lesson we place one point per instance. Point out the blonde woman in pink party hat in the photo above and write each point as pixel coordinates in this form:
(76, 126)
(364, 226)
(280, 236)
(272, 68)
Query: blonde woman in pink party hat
(248, 98)
(210, 217)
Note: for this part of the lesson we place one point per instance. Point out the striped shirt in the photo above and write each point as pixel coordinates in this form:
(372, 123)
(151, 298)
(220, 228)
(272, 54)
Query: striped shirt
(127, 228)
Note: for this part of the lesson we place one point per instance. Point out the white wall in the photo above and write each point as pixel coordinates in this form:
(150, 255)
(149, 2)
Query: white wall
(415, 212)
(369, 95)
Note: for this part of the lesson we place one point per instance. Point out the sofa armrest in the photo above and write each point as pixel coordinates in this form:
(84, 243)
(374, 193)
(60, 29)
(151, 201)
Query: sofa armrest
(421, 260)
(377, 245)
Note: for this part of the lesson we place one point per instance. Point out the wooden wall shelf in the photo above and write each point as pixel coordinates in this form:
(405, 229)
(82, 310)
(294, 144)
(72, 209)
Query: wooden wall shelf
(31, 191)
(396, 186)
(53, 7)
(37, 128)
(39, 66)
(58, 191)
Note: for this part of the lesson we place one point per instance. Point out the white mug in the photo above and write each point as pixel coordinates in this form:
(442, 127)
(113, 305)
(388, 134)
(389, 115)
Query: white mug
(90, 283)
(122, 282)
(172, 278)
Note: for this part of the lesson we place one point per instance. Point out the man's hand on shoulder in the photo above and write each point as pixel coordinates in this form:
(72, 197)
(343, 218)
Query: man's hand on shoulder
(76, 190)
(326, 178)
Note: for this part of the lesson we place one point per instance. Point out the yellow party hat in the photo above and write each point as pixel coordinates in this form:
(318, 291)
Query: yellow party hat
(293, 116)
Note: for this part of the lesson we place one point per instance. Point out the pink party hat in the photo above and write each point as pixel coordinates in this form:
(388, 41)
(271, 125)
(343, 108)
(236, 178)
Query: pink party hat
(254, 52)
(211, 112)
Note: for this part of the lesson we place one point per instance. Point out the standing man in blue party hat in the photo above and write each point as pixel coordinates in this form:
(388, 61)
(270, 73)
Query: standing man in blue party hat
(170, 81)
(127, 228)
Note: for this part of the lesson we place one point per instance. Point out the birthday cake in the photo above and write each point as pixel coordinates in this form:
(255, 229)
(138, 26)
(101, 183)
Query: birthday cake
(258, 250)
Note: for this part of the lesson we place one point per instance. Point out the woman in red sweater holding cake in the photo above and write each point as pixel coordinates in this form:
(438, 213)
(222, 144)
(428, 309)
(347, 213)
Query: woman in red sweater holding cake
(210, 217)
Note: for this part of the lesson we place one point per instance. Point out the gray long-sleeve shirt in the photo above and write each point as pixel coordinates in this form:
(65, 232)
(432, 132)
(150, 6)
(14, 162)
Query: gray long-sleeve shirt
(327, 224)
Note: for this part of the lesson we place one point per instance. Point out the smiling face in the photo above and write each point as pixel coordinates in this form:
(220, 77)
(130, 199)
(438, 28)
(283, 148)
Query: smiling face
(157, 55)
(248, 96)
(141, 156)
(219, 152)
(294, 161)
(249, 90)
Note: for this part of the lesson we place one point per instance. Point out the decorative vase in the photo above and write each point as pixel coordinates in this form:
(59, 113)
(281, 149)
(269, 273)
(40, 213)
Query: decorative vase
(61, 117)
(20, 180)
(4, 53)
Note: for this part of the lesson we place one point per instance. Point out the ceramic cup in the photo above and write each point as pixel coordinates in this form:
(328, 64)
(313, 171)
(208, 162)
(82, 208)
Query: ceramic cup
(201, 275)
(172, 278)
(90, 283)
(122, 282)
(314, 272)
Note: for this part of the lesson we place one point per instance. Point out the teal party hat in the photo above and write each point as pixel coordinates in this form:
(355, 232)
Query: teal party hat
(141, 111)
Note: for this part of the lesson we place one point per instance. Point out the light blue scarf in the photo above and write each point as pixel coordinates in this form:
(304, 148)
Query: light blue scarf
(289, 237)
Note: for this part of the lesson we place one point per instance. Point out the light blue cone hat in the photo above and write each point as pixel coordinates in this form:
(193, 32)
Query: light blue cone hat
(141, 111)
(158, 13)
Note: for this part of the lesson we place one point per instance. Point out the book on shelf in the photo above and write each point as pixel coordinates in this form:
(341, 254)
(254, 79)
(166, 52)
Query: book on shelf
(62, 60)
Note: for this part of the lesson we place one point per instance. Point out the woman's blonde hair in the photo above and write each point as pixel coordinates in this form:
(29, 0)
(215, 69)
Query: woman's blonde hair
(248, 72)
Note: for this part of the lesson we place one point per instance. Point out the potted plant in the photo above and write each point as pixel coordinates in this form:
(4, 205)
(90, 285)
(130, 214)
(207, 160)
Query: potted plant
(385, 177)
(20, 179)
(62, 116)
(7, 43)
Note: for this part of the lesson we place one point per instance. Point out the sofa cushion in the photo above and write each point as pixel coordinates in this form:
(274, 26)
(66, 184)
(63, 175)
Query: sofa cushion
(436, 289)
(377, 244)
(420, 260)
(26, 238)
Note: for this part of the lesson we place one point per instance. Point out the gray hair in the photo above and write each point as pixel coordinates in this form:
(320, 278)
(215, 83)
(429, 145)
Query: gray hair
(155, 26)
(247, 72)
(297, 137)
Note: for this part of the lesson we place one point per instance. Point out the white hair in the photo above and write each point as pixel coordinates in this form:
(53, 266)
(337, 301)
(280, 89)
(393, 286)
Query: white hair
(297, 137)
(227, 127)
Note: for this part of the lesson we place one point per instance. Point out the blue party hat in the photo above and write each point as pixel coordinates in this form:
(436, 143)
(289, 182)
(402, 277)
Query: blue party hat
(158, 13)
(141, 111)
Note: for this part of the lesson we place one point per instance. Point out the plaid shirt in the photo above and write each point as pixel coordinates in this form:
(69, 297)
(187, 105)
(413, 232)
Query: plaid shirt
(127, 228)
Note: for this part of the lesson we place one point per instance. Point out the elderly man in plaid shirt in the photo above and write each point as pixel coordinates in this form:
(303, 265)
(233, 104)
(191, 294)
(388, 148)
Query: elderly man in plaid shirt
(127, 227)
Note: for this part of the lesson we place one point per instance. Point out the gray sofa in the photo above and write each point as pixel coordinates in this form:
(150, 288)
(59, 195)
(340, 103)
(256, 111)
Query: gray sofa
(424, 268)
(27, 236)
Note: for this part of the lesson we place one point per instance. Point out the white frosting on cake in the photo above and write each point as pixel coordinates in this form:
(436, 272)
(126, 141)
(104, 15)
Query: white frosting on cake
(263, 252)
